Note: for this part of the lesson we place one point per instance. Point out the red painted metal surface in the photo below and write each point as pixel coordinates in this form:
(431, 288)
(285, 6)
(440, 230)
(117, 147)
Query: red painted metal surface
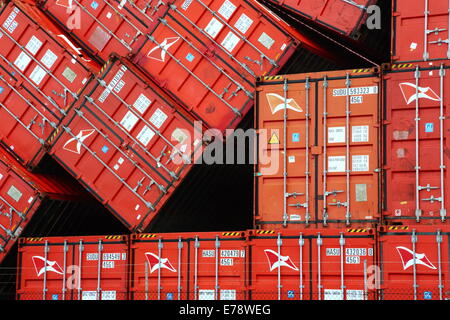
(217, 49)
(420, 31)
(189, 266)
(41, 77)
(21, 194)
(312, 264)
(416, 143)
(73, 268)
(128, 143)
(315, 147)
(103, 27)
(414, 262)
(344, 17)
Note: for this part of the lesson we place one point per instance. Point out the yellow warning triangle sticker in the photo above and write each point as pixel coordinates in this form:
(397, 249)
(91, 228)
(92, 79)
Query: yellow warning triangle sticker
(274, 139)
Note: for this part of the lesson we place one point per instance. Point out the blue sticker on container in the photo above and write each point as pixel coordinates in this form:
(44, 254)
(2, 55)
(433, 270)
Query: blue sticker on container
(291, 294)
(169, 296)
(428, 295)
(429, 127)
(190, 57)
(296, 137)
(55, 297)
(94, 5)
(1, 90)
(105, 149)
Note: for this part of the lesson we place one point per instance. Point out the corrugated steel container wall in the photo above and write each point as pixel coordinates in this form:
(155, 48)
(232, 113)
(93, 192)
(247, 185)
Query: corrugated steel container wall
(344, 17)
(41, 77)
(73, 268)
(128, 143)
(420, 31)
(311, 264)
(103, 27)
(189, 266)
(414, 262)
(416, 143)
(217, 49)
(328, 148)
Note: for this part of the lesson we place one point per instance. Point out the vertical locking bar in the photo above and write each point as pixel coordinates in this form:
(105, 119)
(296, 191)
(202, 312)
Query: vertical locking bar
(366, 292)
(319, 280)
(342, 244)
(425, 40)
(64, 289)
(80, 259)
(414, 241)
(99, 268)
(301, 243)
(439, 241)
(307, 88)
(44, 290)
(160, 246)
(443, 211)
(216, 286)
(146, 279)
(285, 215)
(347, 149)
(180, 247)
(325, 168)
(197, 245)
(279, 243)
(417, 167)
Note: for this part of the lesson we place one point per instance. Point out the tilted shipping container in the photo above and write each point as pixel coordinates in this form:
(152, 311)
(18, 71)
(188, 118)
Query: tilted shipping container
(42, 74)
(420, 31)
(312, 264)
(189, 266)
(416, 143)
(128, 143)
(414, 262)
(73, 268)
(318, 154)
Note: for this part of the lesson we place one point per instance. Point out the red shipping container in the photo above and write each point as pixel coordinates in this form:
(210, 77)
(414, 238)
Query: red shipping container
(344, 17)
(217, 49)
(414, 262)
(420, 31)
(318, 150)
(416, 143)
(311, 265)
(42, 74)
(103, 27)
(73, 268)
(189, 266)
(128, 143)
(21, 195)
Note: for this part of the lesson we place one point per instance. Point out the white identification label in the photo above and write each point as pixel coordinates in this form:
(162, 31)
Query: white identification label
(227, 9)
(291, 159)
(213, 28)
(119, 86)
(10, 18)
(111, 256)
(333, 294)
(355, 251)
(352, 259)
(204, 294)
(109, 295)
(226, 261)
(333, 252)
(229, 253)
(360, 134)
(91, 256)
(336, 135)
(22, 61)
(355, 91)
(243, 23)
(355, 295)
(70, 75)
(108, 265)
(360, 163)
(336, 164)
(33, 45)
(294, 217)
(208, 253)
(266, 41)
(37, 75)
(89, 295)
(145, 135)
(227, 294)
(158, 118)
(230, 41)
(142, 103)
(14, 193)
(129, 121)
(112, 84)
(356, 99)
(49, 59)
(30, 200)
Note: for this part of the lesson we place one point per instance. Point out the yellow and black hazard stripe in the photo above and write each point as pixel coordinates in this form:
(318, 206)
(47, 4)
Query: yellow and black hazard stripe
(231, 234)
(53, 136)
(357, 230)
(398, 228)
(361, 70)
(147, 235)
(265, 231)
(402, 66)
(104, 67)
(34, 239)
(113, 237)
(270, 78)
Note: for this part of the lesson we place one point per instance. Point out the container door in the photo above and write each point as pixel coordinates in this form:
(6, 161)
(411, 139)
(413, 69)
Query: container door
(348, 165)
(283, 174)
(414, 263)
(416, 142)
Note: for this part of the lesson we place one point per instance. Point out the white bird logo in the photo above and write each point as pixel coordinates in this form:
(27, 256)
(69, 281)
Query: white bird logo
(74, 144)
(276, 103)
(164, 47)
(157, 262)
(277, 261)
(41, 265)
(414, 92)
(409, 258)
